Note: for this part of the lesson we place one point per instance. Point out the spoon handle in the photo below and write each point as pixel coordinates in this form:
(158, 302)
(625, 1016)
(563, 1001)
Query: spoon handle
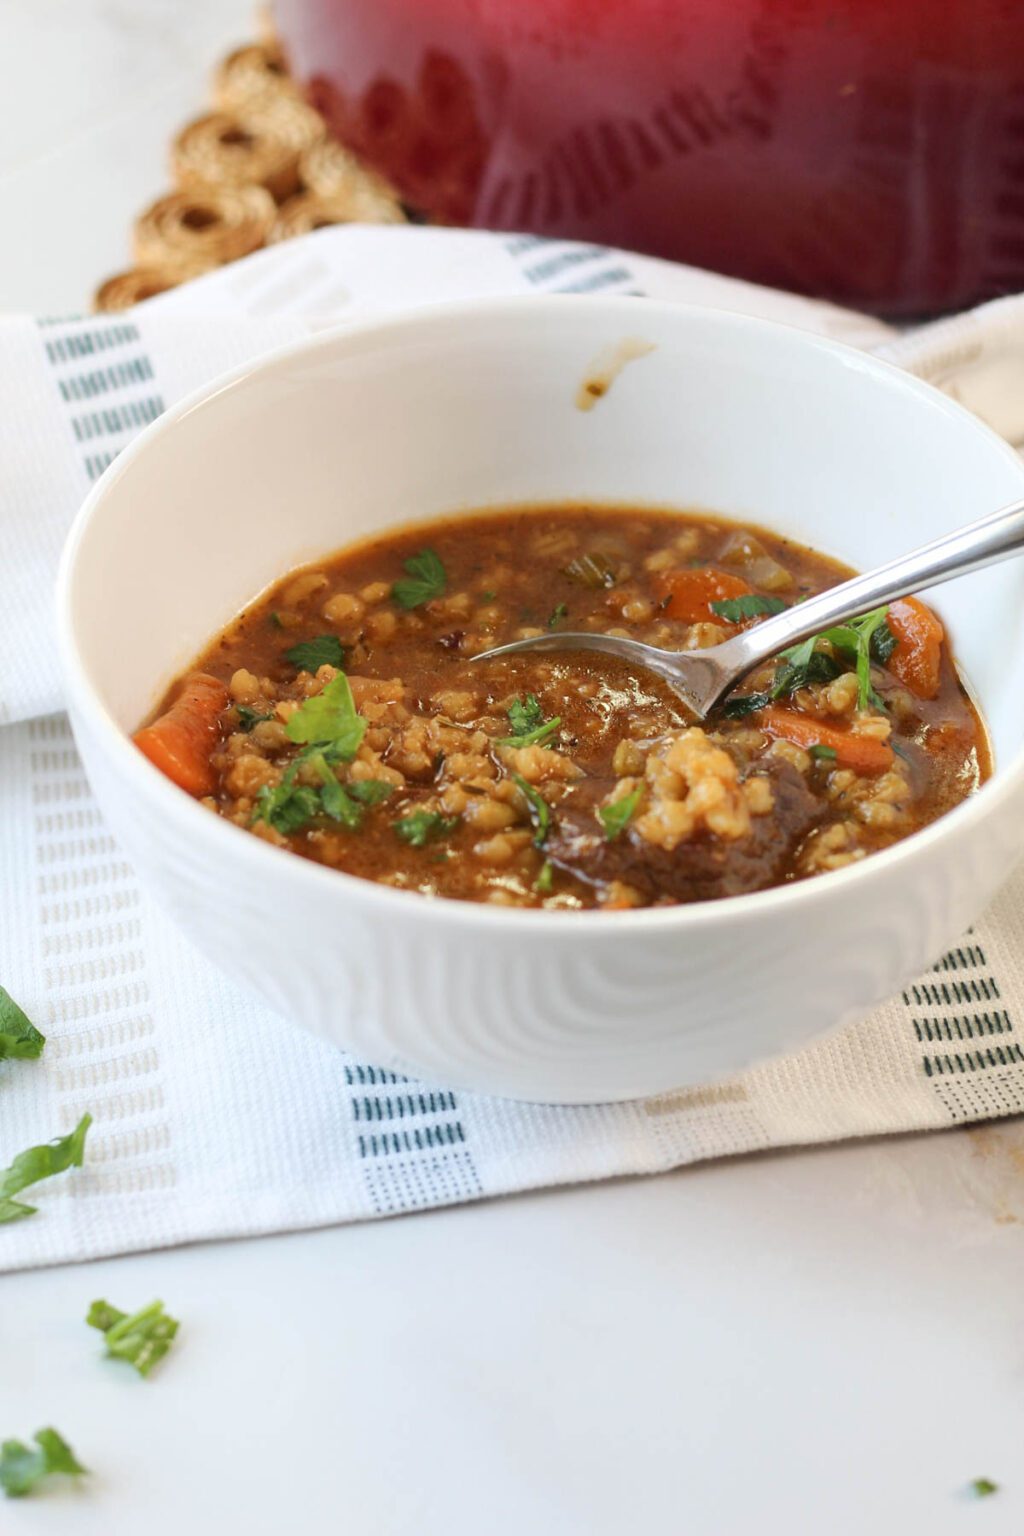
(956, 554)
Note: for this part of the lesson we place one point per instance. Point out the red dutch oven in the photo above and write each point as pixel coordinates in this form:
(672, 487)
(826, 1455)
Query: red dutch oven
(868, 151)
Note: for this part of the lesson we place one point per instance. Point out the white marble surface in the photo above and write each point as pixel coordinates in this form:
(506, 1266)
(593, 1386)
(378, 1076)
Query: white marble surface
(91, 93)
(824, 1341)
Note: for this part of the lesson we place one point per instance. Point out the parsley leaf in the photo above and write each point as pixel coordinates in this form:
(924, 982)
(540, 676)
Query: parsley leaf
(142, 1338)
(19, 1038)
(983, 1487)
(823, 753)
(426, 579)
(883, 643)
(420, 827)
(854, 640)
(488, 597)
(805, 666)
(746, 704)
(542, 884)
(529, 728)
(288, 807)
(330, 720)
(335, 800)
(370, 791)
(311, 655)
(538, 808)
(751, 606)
(331, 730)
(21, 1467)
(556, 615)
(247, 717)
(525, 714)
(37, 1163)
(617, 816)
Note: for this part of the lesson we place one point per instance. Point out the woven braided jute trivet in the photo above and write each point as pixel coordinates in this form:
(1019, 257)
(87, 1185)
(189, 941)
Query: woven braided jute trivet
(259, 166)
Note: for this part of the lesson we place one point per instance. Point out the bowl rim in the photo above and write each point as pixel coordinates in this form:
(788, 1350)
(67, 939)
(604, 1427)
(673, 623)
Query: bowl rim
(239, 844)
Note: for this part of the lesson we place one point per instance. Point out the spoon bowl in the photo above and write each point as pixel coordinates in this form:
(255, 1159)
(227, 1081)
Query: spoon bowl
(703, 678)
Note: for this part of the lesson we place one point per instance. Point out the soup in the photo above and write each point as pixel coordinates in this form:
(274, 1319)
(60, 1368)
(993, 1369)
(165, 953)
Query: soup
(342, 715)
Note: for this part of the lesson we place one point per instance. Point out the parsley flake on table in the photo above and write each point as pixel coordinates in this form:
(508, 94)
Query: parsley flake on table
(538, 808)
(982, 1487)
(37, 1163)
(616, 817)
(19, 1038)
(21, 1467)
(750, 606)
(141, 1338)
(311, 655)
(529, 728)
(424, 580)
(421, 827)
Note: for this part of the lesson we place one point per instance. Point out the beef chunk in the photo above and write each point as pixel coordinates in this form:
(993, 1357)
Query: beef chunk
(701, 869)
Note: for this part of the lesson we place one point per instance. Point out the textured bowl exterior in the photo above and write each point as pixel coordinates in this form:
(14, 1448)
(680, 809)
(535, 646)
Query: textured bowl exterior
(553, 1007)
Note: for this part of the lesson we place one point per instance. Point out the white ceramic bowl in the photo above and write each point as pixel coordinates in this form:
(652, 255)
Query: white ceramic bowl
(472, 405)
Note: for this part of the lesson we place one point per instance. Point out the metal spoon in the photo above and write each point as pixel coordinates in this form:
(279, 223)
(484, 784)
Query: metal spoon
(703, 678)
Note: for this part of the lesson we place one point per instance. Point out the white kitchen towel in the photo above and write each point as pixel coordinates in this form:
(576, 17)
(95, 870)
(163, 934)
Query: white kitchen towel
(213, 1117)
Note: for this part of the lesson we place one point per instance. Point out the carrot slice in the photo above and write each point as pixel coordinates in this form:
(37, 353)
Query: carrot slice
(181, 740)
(691, 593)
(866, 755)
(918, 654)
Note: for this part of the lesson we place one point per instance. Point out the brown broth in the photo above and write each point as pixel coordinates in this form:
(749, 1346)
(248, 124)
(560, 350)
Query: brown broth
(434, 731)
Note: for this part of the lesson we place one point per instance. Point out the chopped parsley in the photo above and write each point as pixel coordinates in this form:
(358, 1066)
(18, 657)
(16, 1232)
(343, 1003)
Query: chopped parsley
(861, 641)
(543, 883)
(855, 641)
(141, 1338)
(883, 643)
(823, 753)
(424, 580)
(538, 808)
(37, 1163)
(329, 720)
(529, 728)
(751, 606)
(19, 1038)
(370, 791)
(287, 807)
(275, 621)
(488, 597)
(21, 1467)
(982, 1487)
(311, 655)
(330, 730)
(421, 827)
(556, 615)
(247, 717)
(804, 666)
(335, 801)
(616, 817)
